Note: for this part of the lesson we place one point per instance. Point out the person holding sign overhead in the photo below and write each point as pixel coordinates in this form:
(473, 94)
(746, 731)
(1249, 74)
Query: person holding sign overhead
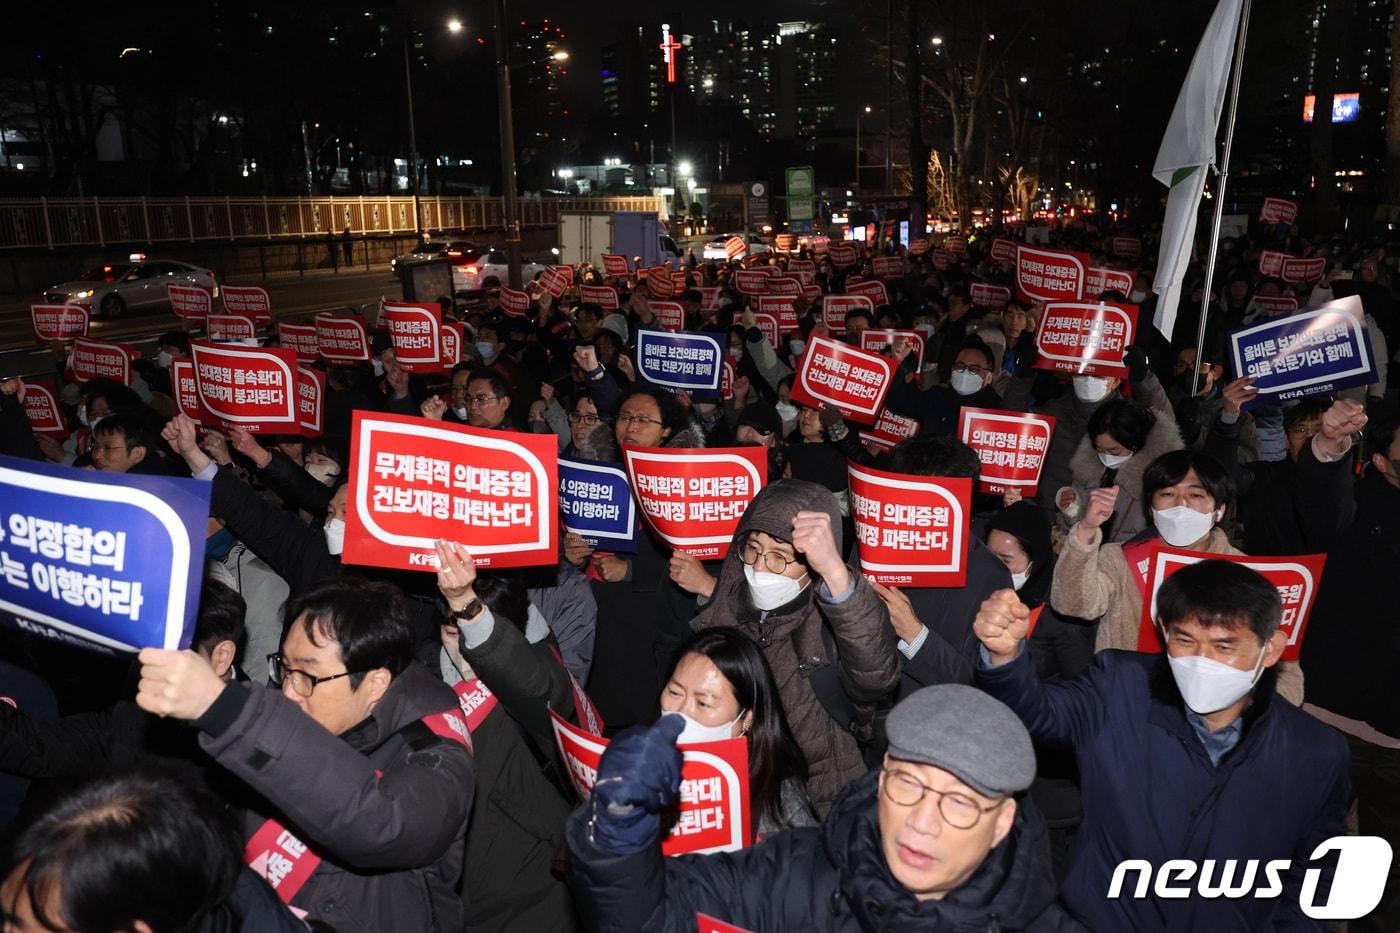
(939, 837)
(1181, 754)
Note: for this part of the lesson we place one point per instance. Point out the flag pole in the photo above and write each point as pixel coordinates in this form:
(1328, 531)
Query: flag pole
(1223, 174)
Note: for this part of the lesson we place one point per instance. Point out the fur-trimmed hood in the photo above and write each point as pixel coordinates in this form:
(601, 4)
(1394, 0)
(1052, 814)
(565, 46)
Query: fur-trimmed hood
(1086, 469)
(601, 444)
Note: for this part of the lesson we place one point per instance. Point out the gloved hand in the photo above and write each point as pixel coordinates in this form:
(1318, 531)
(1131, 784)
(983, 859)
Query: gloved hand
(1136, 361)
(638, 777)
(832, 422)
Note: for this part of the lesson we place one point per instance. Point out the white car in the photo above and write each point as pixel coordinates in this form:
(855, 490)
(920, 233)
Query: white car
(715, 249)
(109, 289)
(476, 270)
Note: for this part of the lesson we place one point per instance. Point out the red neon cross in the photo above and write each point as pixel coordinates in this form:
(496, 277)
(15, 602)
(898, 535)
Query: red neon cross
(668, 50)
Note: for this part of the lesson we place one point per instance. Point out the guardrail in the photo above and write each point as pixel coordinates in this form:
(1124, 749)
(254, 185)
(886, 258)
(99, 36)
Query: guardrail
(52, 223)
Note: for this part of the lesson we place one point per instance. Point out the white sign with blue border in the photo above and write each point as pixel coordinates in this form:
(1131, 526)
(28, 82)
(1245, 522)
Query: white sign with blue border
(596, 503)
(1312, 352)
(686, 360)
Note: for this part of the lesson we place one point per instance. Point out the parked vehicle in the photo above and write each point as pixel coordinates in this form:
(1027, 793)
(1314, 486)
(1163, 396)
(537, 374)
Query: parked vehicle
(110, 289)
(586, 237)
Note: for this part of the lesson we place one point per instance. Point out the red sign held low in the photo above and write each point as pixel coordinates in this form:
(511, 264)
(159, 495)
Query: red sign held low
(788, 285)
(1129, 247)
(514, 301)
(944, 259)
(911, 530)
(1085, 338)
(659, 283)
(670, 315)
(693, 499)
(41, 407)
(1296, 271)
(956, 244)
(750, 281)
(230, 328)
(185, 390)
(871, 289)
(556, 280)
(1107, 280)
(1011, 445)
(301, 338)
(189, 302)
(59, 322)
(615, 265)
(1050, 275)
(1278, 211)
(604, 296)
(890, 430)
(251, 301)
(102, 359)
(781, 307)
(1275, 306)
(1003, 250)
(342, 339)
(454, 337)
(918, 247)
(311, 400)
(854, 380)
(994, 297)
(889, 267)
(786, 242)
(836, 307)
(881, 340)
(413, 481)
(416, 332)
(252, 388)
(843, 254)
(1271, 262)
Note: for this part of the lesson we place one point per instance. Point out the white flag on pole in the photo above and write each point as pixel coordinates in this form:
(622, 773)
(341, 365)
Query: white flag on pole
(1188, 151)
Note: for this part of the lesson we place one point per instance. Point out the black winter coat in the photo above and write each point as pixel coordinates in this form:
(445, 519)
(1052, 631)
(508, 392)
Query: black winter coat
(831, 877)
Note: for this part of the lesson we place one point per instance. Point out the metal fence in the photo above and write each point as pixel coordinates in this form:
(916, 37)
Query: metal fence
(38, 223)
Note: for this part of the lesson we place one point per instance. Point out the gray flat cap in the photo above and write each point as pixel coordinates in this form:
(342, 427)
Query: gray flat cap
(967, 732)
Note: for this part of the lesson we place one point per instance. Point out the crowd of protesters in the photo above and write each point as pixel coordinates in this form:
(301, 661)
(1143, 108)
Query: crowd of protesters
(917, 760)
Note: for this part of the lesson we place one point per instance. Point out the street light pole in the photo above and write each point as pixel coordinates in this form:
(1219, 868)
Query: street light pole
(512, 218)
(412, 133)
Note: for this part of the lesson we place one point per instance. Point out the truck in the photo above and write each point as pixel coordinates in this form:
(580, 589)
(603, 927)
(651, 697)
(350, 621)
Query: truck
(585, 237)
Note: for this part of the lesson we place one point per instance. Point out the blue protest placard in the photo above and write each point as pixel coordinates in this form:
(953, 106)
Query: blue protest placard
(686, 360)
(107, 561)
(596, 503)
(1313, 352)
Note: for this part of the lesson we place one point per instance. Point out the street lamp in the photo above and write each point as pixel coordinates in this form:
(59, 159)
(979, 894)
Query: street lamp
(858, 119)
(685, 169)
(453, 26)
(561, 56)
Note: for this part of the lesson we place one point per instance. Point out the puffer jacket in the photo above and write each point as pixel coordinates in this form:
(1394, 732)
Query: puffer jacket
(832, 877)
(1094, 581)
(1087, 470)
(866, 657)
(384, 804)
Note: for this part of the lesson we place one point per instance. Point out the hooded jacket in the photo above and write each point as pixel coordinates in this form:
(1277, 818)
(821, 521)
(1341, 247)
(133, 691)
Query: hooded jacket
(833, 877)
(865, 661)
(1087, 470)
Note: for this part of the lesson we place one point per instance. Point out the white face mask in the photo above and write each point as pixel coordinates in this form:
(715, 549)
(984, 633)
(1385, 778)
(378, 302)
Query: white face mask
(378, 367)
(797, 346)
(1137, 296)
(324, 472)
(965, 383)
(1090, 388)
(486, 349)
(696, 731)
(925, 328)
(1182, 525)
(1114, 461)
(1208, 686)
(1018, 580)
(735, 353)
(163, 359)
(771, 590)
(786, 412)
(83, 416)
(335, 535)
(460, 412)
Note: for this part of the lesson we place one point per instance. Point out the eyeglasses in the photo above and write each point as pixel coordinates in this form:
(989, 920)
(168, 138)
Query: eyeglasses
(108, 448)
(775, 561)
(959, 810)
(970, 368)
(481, 400)
(578, 417)
(629, 418)
(303, 684)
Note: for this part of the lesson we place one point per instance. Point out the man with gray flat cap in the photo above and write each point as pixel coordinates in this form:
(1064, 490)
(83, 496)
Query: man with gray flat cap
(939, 838)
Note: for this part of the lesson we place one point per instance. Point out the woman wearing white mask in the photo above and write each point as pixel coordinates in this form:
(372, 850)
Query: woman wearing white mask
(723, 689)
(783, 583)
(1185, 496)
(1123, 437)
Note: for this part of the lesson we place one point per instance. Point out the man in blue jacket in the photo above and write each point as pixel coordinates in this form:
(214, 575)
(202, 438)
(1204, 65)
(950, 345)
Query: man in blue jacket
(1184, 756)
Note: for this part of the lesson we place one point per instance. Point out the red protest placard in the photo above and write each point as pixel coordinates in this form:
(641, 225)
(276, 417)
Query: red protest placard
(185, 390)
(819, 245)
(714, 793)
(1085, 338)
(889, 267)
(670, 315)
(59, 322)
(102, 359)
(1011, 446)
(801, 268)
(780, 306)
(1003, 250)
(785, 285)
(659, 284)
(615, 265)
(514, 301)
(1050, 274)
(693, 498)
(707, 924)
(836, 307)
(751, 281)
(253, 388)
(189, 302)
(301, 338)
(342, 339)
(251, 301)
(911, 530)
(1294, 271)
(944, 259)
(416, 332)
(811, 292)
(994, 297)
(919, 247)
(1129, 247)
(1275, 306)
(786, 242)
(853, 380)
(680, 281)
(890, 430)
(709, 298)
(726, 379)
(1278, 211)
(1296, 578)
(1271, 262)
(604, 296)
(1107, 280)
(227, 328)
(734, 247)
(768, 326)
(879, 340)
(413, 481)
(41, 407)
(871, 289)
(956, 244)
(556, 280)
(842, 254)
(311, 400)
(454, 336)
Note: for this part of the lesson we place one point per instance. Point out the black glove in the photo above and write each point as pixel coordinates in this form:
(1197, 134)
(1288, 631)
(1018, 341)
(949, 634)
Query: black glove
(1136, 361)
